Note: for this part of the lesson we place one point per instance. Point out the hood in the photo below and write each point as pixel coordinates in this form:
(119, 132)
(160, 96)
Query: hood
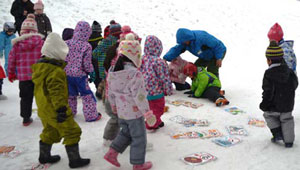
(288, 43)
(55, 47)
(184, 35)
(82, 31)
(282, 73)
(28, 42)
(44, 67)
(124, 77)
(153, 46)
(178, 61)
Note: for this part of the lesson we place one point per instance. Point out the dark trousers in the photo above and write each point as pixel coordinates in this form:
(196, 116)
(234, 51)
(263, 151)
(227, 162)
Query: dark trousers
(180, 86)
(212, 93)
(97, 80)
(1, 82)
(26, 95)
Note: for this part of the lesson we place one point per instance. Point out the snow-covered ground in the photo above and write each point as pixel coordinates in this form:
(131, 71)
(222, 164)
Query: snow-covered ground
(241, 24)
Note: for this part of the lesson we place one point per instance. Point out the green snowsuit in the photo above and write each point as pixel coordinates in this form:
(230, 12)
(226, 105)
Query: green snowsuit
(51, 94)
(203, 80)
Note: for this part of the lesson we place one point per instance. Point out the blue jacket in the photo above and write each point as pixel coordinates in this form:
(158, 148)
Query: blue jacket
(202, 45)
(5, 44)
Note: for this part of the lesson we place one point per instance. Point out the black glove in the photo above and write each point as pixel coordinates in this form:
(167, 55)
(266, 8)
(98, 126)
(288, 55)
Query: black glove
(189, 92)
(61, 114)
(193, 96)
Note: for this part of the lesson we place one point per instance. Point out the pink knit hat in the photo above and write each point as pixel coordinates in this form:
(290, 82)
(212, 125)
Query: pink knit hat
(275, 33)
(38, 5)
(29, 25)
(131, 49)
(126, 30)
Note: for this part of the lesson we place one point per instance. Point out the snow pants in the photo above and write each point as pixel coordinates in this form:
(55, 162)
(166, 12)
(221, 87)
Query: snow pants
(180, 86)
(26, 94)
(212, 93)
(1, 83)
(157, 106)
(285, 121)
(112, 127)
(133, 133)
(80, 86)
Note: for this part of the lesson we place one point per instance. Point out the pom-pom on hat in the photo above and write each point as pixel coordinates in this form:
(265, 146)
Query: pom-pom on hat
(29, 25)
(38, 5)
(275, 33)
(131, 49)
(274, 52)
(55, 47)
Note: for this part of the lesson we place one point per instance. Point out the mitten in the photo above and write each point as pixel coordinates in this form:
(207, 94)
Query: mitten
(189, 92)
(150, 118)
(193, 96)
(12, 77)
(61, 114)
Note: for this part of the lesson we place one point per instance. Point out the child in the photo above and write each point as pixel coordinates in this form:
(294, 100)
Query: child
(204, 84)
(126, 29)
(43, 22)
(127, 96)
(79, 66)
(2, 76)
(5, 41)
(67, 34)
(289, 56)
(25, 52)
(279, 85)
(157, 79)
(176, 74)
(96, 36)
(51, 94)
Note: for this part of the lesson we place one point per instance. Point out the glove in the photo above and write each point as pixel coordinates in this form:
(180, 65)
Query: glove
(150, 118)
(12, 77)
(193, 96)
(61, 114)
(189, 92)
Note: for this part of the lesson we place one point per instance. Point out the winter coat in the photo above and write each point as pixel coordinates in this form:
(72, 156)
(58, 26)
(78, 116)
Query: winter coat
(95, 38)
(176, 70)
(127, 93)
(202, 45)
(6, 45)
(279, 85)
(79, 58)
(43, 24)
(17, 10)
(155, 70)
(25, 52)
(289, 55)
(100, 53)
(203, 80)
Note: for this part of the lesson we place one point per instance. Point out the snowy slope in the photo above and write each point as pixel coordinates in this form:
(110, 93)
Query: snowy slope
(241, 25)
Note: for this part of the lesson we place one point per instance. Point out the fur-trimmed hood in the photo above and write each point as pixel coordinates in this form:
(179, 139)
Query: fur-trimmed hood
(28, 41)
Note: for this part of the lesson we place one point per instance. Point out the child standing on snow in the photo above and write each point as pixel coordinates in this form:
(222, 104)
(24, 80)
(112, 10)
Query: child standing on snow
(204, 84)
(279, 85)
(25, 52)
(43, 22)
(176, 74)
(157, 79)
(276, 34)
(5, 41)
(127, 96)
(51, 94)
(79, 66)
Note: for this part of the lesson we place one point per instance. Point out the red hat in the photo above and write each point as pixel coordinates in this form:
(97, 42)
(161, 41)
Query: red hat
(190, 69)
(275, 33)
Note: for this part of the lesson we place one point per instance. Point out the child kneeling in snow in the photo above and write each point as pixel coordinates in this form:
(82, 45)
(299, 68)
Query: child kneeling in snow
(127, 96)
(176, 73)
(51, 94)
(205, 84)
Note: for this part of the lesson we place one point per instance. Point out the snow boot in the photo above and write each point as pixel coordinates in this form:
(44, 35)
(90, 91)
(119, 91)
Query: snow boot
(3, 97)
(221, 102)
(27, 121)
(288, 145)
(277, 134)
(75, 161)
(111, 156)
(145, 166)
(45, 154)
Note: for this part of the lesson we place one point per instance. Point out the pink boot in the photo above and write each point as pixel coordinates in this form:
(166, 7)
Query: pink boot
(145, 166)
(111, 157)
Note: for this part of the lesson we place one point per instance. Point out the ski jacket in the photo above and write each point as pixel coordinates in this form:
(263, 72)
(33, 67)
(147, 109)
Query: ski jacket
(43, 24)
(176, 70)
(289, 55)
(95, 38)
(279, 85)
(6, 45)
(25, 52)
(202, 45)
(203, 80)
(155, 69)
(79, 58)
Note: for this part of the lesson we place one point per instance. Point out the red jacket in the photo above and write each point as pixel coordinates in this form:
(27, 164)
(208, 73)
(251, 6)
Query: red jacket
(2, 73)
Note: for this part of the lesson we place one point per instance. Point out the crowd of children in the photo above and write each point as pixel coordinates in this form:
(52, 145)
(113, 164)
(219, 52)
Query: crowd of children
(132, 84)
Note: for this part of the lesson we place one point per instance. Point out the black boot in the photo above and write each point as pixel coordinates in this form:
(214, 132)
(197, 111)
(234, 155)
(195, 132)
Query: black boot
(75, 161)
(45, 154)
(277, 134)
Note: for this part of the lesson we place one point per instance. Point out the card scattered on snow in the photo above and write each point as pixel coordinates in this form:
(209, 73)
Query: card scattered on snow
(227, 141)
(185, 103)
(234, 110)
(198, 158)
(9, 151)
(237, 130)
(256, 122)
(193, 134)
(189, 122)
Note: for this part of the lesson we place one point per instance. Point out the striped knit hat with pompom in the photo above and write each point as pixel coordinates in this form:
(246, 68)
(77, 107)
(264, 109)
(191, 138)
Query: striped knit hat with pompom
(274, 52)
(29, 25)
(131, 49)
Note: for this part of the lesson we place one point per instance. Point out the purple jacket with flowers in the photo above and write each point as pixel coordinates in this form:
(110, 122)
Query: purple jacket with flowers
(127, 93)
(79, 58)
(155, 69)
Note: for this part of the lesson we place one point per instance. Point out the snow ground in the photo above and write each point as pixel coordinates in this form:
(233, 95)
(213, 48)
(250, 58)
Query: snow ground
(242, 26)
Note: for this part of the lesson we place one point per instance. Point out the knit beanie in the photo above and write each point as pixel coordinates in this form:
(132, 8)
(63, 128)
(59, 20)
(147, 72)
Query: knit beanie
(38, 5)
(190, 69)
(274, 52)
(115, 29)
(275, 33)
(54, 47)
(131, 49)
(96, 27)
(29, 25)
